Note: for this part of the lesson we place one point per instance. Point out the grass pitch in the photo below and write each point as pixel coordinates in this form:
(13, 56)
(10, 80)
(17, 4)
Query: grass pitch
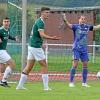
(60, 91)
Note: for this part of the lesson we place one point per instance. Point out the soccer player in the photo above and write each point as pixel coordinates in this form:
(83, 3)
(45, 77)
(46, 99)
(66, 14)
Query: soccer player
(35, 51)
(80, 49)
(4, 56)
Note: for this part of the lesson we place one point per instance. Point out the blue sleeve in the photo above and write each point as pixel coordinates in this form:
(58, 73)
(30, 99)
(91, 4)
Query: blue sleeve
(74, 27)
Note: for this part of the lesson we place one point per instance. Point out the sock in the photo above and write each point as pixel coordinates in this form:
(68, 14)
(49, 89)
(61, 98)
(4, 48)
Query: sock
(22, 80)
(7, 73)
(72, 74)
(84, 74)
(45, 80)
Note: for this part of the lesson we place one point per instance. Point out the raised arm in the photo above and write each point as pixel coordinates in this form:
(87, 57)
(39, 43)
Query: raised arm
(66, 21)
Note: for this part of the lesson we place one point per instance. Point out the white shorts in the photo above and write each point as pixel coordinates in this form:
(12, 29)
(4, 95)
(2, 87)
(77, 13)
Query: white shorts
(4, 56)
(35, 53)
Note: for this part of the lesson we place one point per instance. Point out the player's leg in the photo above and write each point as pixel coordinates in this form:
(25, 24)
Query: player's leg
(8, 71)
(10, 66)
(84, 59)
(84, 74)
(40, 57)
(76, 57)
(27, 69)
(25, 73)
(44, 71)
(2, 68)
(72, 73)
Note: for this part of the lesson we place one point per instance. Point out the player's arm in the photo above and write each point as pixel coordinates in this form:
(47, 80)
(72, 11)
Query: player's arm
(1, 37)
(66, 21)
(42, 34)
(14, 38)
(96, 27)
(0, 40)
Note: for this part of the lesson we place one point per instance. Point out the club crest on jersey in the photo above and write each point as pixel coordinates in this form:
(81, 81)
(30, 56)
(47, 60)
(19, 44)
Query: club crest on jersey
(79, 31)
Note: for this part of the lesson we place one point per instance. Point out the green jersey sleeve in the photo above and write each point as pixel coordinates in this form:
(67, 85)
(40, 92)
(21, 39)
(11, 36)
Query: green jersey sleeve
(40, 25)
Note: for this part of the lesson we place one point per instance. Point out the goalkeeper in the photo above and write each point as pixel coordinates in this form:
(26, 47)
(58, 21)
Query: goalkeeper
(80, 49)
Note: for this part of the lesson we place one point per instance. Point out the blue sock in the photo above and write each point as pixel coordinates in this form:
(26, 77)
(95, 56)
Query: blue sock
(84, 74)
(72, 74)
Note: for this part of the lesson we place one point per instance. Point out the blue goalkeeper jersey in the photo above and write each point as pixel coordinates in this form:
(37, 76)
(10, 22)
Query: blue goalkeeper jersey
(80, 32)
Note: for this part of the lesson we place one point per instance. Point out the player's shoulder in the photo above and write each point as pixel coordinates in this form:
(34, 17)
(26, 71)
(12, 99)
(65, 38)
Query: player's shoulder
(88, 25)
(39, 20)
(75, 26)
(1, 29)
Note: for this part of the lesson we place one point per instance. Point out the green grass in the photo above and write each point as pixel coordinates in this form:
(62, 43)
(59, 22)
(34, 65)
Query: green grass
(60, 91)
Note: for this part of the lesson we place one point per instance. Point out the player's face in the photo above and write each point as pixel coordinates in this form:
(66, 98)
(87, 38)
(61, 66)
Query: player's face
(82, 20)
(6, 23)
(45, 14)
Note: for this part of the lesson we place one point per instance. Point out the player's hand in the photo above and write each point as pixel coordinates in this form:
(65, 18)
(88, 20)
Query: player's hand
(56, 37)
(43, 46)
(0, 40)
(17, 38)
(64, 17)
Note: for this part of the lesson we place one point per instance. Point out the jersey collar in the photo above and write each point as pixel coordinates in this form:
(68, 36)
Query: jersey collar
(5, 28)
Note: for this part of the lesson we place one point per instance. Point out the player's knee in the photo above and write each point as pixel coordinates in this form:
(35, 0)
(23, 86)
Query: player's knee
(84, 64)
(2, 68)
(44, 66)
(75, 65)
(44, 69)
(11, 63)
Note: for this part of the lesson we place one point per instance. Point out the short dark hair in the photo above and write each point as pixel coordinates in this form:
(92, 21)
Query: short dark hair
(6, 18)
(44, 8)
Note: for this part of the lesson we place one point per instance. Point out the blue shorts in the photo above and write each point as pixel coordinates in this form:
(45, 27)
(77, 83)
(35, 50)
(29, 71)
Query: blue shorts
(80, 55)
